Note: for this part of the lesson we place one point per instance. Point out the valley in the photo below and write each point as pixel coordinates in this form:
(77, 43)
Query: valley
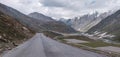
(87, 43)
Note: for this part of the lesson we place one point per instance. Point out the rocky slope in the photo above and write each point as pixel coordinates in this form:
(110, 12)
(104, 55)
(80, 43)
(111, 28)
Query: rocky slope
(12, 32)
(110, 24)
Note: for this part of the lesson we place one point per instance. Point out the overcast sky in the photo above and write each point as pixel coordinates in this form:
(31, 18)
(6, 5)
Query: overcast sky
(62, 8)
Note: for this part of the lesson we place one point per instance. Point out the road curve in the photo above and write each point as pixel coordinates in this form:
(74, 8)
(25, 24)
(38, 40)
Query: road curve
(42, 46)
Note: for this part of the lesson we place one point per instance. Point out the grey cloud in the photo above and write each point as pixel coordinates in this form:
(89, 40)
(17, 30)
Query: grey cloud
(52, 3)
(25, 1)
(28, 2)
(75, 5)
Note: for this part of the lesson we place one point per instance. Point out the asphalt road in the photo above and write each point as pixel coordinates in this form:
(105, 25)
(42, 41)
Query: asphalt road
(42, 46)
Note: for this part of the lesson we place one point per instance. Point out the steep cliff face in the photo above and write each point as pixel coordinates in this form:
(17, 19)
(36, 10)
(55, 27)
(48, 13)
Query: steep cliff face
(12, 33)
(111, 25)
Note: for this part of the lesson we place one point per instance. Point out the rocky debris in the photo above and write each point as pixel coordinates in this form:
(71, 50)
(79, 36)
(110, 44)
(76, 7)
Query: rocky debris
(12, 33)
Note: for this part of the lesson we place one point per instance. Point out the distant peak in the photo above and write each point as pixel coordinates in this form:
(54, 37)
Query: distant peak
(36, 13)
(40, 16)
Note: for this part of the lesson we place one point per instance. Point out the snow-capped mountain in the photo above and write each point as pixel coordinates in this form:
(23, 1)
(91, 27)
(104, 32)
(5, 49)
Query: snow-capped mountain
(85, 22)
(110, 25)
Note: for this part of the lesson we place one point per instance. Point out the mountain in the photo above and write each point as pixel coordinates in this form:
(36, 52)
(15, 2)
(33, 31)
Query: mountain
(50, 24)
(12, 32)
(63, 20)
(85, 22)
(38, 23)
(110, 24)
(40, 16)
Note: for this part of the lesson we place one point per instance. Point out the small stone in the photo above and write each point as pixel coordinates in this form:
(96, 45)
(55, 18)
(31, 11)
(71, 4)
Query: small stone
(9, 48)
(0, 49)
(4, 34)
(25, 28)
(0, 37)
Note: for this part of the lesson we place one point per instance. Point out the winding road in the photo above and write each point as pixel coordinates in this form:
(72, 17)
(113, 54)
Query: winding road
(42, 46)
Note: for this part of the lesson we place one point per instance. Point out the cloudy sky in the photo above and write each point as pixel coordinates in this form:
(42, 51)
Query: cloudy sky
(62, 8)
